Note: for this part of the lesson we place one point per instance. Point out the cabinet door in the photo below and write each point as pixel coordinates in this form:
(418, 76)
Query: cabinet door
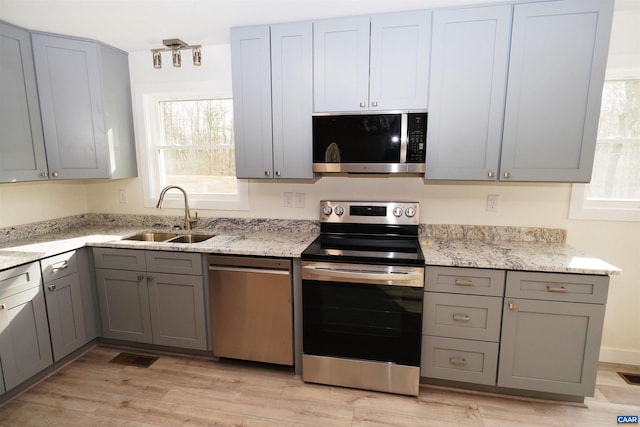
(124, 305)
(550, 346)
(25, 348)
(66, 315)
(251, 68)
(68, 75)
(2, 389)
(556, 72)
(399, 63)
(469, 58)
(292, 92)
(341, 64)
(22, 154)
(177, 310)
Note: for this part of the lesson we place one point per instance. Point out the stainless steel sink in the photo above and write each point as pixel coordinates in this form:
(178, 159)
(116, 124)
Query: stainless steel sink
(152, 237)
(191, 238)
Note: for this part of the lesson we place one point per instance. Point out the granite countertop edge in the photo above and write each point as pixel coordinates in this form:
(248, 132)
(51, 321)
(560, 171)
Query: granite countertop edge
(540, 256)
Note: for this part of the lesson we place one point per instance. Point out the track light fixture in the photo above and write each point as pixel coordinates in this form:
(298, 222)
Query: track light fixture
(175, 46)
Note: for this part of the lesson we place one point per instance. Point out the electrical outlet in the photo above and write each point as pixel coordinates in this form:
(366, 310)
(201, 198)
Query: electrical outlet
(492, 202)
(299, 200)
(122, 195)
(288, 199)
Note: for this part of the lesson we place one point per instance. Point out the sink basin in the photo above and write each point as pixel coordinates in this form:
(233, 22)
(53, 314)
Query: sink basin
(152, 237)
(191, 238)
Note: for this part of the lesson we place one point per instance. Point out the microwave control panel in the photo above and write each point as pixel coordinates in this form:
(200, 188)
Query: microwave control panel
(416, 137)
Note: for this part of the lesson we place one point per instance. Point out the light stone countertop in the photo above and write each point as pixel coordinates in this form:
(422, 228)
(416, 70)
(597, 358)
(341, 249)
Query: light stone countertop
(509, 248)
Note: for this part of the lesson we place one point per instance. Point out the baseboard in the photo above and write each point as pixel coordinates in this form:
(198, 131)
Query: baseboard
(619, 355)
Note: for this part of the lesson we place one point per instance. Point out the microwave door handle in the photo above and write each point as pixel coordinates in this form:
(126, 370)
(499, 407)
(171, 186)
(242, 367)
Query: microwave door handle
(404, 137)
(410, 278)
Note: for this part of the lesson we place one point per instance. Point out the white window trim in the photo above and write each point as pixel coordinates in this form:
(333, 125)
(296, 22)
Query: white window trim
(147, 98)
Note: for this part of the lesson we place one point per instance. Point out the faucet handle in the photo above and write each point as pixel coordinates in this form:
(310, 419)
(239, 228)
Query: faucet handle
(194, 220)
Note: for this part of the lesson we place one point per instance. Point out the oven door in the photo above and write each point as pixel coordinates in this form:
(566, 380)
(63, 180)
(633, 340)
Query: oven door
(366, 312)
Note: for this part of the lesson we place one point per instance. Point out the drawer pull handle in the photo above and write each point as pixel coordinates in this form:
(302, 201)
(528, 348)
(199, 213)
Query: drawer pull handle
(461, 282)
(60, 266)
(52, 287)
(556, 289)
(457, 362)
(461, 317)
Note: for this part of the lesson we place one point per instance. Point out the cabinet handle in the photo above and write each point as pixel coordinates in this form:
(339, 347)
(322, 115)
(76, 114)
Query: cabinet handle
(374, 104)
(512, 306)
(363, 104)
(457, 362)
(461, 317)
(55, 174)
(52, 287)
(461, 282)
(44, 174)
(60, 266)
(277, 173)
(492, 174)
(560, 289)
(267, 173)
(151, 278)
(140, 278)
(3, 306)
(507, 175)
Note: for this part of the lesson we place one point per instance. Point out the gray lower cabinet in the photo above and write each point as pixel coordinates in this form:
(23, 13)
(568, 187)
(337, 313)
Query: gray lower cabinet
(65, 304)
(85, 105)
(154, 297)
(461, 324)
(22, 154)
(25, 348)
(551, 332)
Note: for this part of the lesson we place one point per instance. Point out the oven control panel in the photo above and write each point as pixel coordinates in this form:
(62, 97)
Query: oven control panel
(394, 213)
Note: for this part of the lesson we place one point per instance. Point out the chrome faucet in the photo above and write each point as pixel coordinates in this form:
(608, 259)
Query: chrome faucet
(188, 222)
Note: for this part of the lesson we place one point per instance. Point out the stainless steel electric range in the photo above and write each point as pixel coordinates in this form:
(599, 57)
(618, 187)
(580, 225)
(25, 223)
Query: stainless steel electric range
(362, 290)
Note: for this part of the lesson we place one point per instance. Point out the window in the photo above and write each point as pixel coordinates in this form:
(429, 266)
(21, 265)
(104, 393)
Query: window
(189, 142)
(614, 191)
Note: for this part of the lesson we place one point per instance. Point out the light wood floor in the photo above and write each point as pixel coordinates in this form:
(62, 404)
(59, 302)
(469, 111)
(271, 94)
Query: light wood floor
(187, 391)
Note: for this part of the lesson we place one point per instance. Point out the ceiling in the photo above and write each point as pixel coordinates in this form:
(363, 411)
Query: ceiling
(134, 25)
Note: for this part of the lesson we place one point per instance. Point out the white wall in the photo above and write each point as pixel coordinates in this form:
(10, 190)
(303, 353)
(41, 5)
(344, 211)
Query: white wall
(544, 205)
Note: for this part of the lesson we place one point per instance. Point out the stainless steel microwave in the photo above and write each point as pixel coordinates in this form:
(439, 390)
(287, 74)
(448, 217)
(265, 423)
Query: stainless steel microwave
(386, 142)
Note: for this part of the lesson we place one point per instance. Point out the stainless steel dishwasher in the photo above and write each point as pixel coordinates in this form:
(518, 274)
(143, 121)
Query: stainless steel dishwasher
(251, 311)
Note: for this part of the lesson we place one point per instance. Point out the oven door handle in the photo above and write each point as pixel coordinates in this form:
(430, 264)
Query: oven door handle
(375, 277)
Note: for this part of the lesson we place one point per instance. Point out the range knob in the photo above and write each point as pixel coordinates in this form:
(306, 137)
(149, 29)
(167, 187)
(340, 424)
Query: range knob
(397, 212)
(410, 212)
(339, 210)
(327, 210)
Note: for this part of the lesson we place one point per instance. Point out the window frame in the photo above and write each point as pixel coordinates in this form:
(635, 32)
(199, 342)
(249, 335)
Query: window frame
(581, 207)
(148, 113)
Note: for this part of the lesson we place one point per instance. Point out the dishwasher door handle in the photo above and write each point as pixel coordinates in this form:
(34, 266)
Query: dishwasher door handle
(248, 270)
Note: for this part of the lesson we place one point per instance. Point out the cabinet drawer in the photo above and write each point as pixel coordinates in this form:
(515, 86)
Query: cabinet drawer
(58, 266)
(557, 287)
(119, 259)
(174, 262)
(19, 279)
(459, 360)
(474, 281)
(462, 316)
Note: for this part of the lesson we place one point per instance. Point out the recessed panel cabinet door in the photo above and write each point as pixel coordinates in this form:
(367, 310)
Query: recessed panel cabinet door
(469, 59)
(341, 64)
(556, 72)
(292, 99)
(550, 346)
(22, 154)
(25, 348)
(399, 63)
(250, 62)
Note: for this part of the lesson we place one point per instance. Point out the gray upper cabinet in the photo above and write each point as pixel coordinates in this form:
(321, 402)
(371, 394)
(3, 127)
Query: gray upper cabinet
(556, 72)
(372, 63)
(22, 153)
(85, 102)
(469, 59)
(272, 100)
